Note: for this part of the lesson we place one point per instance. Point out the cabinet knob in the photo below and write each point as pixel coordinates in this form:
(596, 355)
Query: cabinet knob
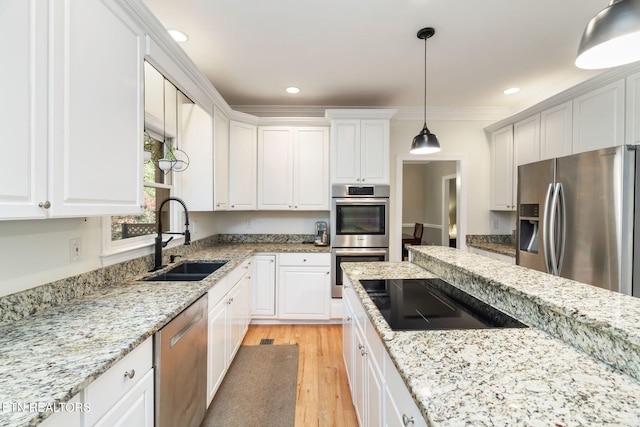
(406, 420)
(362, 179)
(348, 319)
(130, 374)
(363, 353)
(45, 205)
(328, 272)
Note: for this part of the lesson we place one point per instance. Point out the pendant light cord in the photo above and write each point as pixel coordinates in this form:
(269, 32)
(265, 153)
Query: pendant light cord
(425, 81)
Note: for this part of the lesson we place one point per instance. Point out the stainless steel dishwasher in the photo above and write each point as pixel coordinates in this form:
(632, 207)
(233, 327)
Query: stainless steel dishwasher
(180, 359)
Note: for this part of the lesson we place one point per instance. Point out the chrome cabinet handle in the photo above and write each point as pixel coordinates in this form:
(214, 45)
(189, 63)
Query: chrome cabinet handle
(45, 205)
(406, 420)
(130, 374)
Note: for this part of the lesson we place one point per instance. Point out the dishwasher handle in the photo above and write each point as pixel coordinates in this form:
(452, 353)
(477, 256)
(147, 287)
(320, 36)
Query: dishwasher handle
(182, 332)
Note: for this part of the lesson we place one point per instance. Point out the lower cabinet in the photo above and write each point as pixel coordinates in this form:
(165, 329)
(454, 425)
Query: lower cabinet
(228, 321)
(124, 395)
(379, 394)
(304, 286)
(264, 286)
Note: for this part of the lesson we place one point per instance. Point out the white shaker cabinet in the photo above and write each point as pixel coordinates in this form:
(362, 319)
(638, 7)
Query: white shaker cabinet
(598, 118)
(633, 109)
(196, 139)
(75, 102)
(556, 131)
(65, 419)
(96, 117)
(502, 167)
(242, 166)
(293, 168)
(360, 151)
(526, 142)
(124, 395)
(220, 160)
(304, 286)
(264, 286)
(228, 320)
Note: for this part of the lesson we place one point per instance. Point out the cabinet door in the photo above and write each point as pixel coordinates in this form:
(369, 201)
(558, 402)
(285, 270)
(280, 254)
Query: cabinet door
(275, 168)
(598, 118)
(220, 161)
(345, 151)
(264, 285)
(23, 178)
(360, 379)
(304, 293)
(235, 317)
(242, 166)
(311, 169)
(135, 409)
(374, 391)
(348, 340)
(95, 163)
(217, 347)
(197, 141)
(374, 151)
(502, 170)
(555, 131)
(632, 109)
(526, 141)
(399, 405)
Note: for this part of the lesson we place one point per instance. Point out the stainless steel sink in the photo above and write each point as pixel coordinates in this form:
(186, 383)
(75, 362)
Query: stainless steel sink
(190, 271)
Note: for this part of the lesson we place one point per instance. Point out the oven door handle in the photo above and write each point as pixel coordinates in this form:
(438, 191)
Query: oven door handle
(363, 201)
(347, 252)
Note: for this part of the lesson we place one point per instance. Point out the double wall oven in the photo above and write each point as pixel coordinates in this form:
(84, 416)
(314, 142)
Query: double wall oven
(359, 227)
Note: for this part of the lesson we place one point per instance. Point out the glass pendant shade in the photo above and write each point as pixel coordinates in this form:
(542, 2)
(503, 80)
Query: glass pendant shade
(425, 142)
(612, 37)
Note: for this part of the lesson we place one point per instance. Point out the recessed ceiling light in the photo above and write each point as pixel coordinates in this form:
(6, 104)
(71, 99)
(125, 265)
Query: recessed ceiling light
(511, 90)
(293, 89)
(178, 36)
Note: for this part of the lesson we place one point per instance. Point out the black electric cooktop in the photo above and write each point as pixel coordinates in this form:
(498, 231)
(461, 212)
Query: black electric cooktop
(430, 304)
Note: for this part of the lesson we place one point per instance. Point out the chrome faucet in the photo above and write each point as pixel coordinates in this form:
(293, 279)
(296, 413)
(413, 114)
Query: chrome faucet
(159, 244)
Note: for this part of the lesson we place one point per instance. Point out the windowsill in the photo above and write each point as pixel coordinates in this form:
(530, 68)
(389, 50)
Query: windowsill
(121, 253)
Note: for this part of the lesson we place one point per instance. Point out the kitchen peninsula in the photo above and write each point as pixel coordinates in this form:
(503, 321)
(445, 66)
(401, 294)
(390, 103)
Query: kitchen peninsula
(550, 374)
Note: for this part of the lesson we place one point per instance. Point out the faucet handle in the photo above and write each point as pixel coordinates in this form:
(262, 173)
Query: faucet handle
(166, 242)
(172, 258)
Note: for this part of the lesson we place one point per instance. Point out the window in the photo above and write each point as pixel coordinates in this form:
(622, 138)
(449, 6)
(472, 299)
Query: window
(128, 232)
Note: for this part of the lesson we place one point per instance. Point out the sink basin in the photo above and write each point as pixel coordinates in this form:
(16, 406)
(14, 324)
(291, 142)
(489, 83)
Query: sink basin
(190, 271)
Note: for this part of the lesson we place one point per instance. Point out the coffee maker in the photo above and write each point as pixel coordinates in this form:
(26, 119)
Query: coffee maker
(322, 236)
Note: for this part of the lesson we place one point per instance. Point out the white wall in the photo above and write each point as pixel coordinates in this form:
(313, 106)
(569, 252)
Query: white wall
(457, 138)
(275, 222)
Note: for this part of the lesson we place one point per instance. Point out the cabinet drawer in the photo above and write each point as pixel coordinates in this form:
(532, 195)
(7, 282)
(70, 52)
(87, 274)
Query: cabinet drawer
(224, 285)
(104, 392)
(299, 259)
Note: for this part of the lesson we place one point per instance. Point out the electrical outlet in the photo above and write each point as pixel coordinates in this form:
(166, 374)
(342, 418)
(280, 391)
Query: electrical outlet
(75, 249)
(248, 223)
(495, 224)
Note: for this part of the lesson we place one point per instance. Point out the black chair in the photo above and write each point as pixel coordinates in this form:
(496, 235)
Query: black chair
(415, 240)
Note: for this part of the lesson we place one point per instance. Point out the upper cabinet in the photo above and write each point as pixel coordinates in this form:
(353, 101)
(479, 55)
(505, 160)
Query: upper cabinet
(360, 146)
(76, 104)
(598, 118)
(242, 166)
(633, 109)
(526, 140)
(502, 170)
(293, 168)
(556, 131)
(220, 160)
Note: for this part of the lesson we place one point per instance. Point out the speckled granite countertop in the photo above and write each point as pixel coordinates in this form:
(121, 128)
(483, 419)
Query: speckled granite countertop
(539, 376)
(49, 357)
(499, 243)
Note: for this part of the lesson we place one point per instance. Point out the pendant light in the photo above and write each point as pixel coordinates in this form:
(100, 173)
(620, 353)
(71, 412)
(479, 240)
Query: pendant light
(425, 142)
(612, 37)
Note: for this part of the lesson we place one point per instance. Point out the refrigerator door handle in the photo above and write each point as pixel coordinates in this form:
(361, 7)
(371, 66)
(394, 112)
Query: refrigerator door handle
(545, 229)
(563, 226)
(554, 248)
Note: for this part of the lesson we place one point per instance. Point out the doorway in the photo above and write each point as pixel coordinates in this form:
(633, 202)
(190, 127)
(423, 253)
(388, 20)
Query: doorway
(431, 190)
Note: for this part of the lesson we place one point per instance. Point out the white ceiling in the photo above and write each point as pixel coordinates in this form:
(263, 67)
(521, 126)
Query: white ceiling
(365, 52)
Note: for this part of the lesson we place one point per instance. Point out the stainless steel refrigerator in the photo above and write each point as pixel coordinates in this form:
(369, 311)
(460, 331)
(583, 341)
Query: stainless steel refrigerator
(576, 217)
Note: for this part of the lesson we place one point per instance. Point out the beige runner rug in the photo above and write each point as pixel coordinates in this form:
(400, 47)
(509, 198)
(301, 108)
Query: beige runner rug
(259, 390)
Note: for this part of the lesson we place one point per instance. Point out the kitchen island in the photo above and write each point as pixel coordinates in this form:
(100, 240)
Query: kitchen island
(550, 374)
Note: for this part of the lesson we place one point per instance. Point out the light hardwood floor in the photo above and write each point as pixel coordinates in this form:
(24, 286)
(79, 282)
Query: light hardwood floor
(323, 398)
